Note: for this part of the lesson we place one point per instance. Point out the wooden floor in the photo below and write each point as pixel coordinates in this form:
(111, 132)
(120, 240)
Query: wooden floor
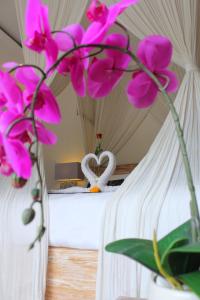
(71, 274)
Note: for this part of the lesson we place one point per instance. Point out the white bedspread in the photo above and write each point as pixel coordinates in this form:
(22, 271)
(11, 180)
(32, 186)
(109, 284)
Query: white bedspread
(76, 219)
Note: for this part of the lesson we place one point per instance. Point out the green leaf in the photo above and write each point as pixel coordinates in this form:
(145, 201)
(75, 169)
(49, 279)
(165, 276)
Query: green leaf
(137, 249)
(184, 259)
(165, 256)
(176, 264)
(173, 245)
(189, 248)
(181, 232)
(142, 251)
(192, 280)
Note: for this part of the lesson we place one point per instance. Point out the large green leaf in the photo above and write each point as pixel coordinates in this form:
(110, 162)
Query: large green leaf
(192, 280)
(137, 249)
(142, 250)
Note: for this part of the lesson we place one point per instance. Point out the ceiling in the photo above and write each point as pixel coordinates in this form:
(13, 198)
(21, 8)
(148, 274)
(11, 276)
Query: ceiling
(8, 18)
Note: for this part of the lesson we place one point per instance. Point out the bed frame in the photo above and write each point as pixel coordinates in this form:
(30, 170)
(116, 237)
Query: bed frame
(72, 272)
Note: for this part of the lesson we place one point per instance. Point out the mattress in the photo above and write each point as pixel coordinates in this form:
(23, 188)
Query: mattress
(76, 219)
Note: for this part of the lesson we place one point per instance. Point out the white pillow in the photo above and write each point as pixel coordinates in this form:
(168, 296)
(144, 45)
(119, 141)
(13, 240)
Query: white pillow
(78, 189)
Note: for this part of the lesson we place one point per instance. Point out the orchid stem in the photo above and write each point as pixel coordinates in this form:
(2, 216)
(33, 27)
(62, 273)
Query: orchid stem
(27, 66)
(175, 283)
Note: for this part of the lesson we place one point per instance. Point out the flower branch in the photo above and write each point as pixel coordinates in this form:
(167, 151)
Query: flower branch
(168, 100)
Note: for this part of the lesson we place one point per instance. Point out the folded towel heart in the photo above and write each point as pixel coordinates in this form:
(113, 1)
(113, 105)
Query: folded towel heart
(95, 181)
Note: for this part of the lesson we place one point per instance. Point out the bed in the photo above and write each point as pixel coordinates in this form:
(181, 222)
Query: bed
(74, 237)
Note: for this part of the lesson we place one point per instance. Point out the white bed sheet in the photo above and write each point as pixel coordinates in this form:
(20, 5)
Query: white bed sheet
(76, 219)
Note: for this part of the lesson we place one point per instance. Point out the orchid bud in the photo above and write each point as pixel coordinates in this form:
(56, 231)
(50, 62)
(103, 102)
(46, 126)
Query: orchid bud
(18, 182)
(28, 215)
(35, 194)
(99, 135)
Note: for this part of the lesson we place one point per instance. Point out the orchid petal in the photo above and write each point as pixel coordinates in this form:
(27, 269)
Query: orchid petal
(64, 41)
(78, 79)
(141, 90)
(7, 118)
(173, 80)
(46, 107)
(10, 65)
(95, 33)
(98, 90)
(51, 52)
(44, 11)
(101, 69)
(28, 77)
(11, 92)
(122, 5)
(45, 136)
(18, 156)
(155, 52)
(117, 40)
(64, 66)
(102, 78)
(32, 14)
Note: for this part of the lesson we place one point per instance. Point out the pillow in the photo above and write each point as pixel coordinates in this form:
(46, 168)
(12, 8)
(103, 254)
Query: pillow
(77, 189)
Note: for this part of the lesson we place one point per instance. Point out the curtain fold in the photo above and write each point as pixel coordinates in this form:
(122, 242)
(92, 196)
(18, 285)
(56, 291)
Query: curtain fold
(155, 195)
(23, 272)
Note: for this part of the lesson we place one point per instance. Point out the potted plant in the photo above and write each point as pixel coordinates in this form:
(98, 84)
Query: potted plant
(175, 257)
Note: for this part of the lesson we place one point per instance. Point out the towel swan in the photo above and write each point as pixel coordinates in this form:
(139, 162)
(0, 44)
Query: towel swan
(93, 179)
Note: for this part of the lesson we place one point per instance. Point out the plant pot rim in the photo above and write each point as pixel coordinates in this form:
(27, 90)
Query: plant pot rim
(171, 290)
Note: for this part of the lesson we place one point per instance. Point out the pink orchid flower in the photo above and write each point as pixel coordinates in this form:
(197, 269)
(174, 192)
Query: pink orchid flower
(155, 52)
(38, 32)
(103, 18)
(104, 74)
(75, 64)
(22, 130)
(46, 107)
(14, 157)
(10, 93)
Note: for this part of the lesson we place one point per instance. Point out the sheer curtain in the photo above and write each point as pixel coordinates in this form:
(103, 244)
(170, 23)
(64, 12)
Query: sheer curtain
(157, 187)
(23, 272)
